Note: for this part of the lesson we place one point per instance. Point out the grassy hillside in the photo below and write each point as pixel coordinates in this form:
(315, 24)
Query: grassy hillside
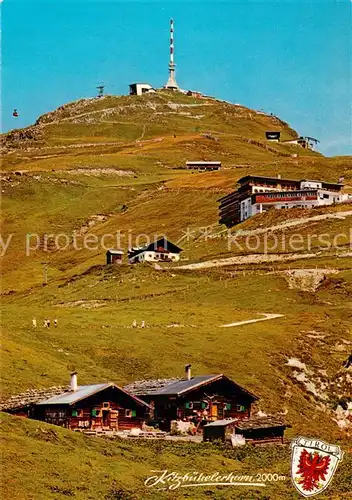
(111, 167)
(45, 462)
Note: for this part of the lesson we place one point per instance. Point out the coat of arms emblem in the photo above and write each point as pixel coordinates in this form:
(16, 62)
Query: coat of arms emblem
(313, 464)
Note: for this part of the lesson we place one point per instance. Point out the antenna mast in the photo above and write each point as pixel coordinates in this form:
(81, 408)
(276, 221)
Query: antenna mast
(171, 83)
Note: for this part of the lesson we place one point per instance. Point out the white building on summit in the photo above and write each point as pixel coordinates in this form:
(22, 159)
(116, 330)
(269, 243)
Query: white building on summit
(140, 88)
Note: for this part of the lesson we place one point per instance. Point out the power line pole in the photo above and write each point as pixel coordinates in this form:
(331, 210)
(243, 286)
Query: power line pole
(101, 88)
(45, 272)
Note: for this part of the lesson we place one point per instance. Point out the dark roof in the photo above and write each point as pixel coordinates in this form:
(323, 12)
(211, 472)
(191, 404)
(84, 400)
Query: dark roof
(60, 396)
(279, 180)
(31, 396)
(115, 252)
(247, 178)
(152, 247)
(146, 387)
(85, 391)
(82, 392)
(177, 387)
(203, 162)
(260, 423)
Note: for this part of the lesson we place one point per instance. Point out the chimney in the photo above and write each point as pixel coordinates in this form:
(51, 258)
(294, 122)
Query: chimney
(188, 372)
(74, 381)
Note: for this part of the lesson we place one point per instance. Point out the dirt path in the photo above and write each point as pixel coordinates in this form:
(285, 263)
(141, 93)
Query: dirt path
(296, 222)
(253, 259)
(246, 259)
(248, 321)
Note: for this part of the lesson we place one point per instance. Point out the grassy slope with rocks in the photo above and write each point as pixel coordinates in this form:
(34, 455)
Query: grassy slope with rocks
(104, 165)
(49, 462)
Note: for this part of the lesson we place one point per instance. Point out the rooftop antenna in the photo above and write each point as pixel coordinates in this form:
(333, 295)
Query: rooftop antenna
(101, 88)
(171, 83)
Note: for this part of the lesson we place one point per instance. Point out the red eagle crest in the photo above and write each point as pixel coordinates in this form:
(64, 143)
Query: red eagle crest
(312, 468)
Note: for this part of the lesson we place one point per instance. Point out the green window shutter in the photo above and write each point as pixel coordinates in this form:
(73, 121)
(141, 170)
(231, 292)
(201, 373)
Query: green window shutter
(187, 405)
(242, 408)
(74, 413)
(204, 405)
(134, 413)
(228, 406)
(94, 413)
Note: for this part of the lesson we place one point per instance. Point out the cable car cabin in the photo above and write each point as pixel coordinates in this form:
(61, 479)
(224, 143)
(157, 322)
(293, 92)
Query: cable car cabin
(15, 113)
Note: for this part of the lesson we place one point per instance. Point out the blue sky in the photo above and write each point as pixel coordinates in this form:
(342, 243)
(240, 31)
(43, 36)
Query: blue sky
(288, 57)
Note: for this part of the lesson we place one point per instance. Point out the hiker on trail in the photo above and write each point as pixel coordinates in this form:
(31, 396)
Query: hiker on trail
(34, 323)
(48, 323)
(143, 324)
(55, 322)
(134, 324)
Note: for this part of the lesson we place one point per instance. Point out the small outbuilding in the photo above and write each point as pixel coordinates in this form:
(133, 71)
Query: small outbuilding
(262, 430)
(114, 256)
(220, 429)
(254, 430)
(194, 93)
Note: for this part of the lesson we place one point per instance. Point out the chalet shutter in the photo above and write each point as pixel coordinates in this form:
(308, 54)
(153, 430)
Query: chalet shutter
(75, 413)
(94, 413)
(189, 405)
(228, 406)
(134, 413)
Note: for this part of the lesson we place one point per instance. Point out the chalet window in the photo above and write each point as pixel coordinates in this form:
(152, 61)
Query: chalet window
(228, 406)
(130, 413)
(205, 405)
(189, 405)
(77, 413)
(241, 408)
(106, 405)
(96, 413)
